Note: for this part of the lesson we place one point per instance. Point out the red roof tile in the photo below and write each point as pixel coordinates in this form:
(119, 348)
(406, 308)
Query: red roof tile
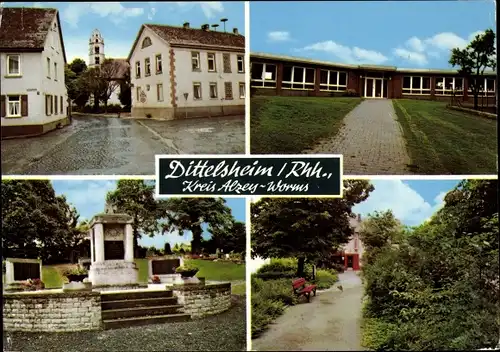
(25, 28)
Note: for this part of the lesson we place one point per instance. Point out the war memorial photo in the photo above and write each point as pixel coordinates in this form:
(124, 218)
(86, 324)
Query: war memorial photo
(65, 274)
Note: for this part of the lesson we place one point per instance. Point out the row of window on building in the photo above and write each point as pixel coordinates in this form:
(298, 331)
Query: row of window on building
(264, 76)
(17, 105)
(14, 67)
(51, 105)
(213, 92)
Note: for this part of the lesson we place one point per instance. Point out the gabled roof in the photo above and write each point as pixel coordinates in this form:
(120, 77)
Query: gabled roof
(26, 28)
(193, 37)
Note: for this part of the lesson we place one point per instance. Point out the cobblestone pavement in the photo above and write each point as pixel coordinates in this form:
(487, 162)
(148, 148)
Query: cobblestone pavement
(370, 140)
(113, 146)
(330, 322)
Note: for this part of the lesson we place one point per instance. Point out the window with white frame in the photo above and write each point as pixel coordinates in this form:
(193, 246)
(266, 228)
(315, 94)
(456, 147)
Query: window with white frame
(14, 65)
(489, 83)
(159, 92)
(211, 62)
(197, 91)
(13, 106)
(159, 67)
(241, 87)
(195, 60)
(241, 63)
(147, 66)
(213, 90)
(295, 77)
(449, 85)
(263, 75)
(416, 85)
(330, 80)
(48, 67)
(55, 71)
(137, 69)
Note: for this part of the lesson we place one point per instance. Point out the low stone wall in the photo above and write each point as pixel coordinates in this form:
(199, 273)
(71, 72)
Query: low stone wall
(51, 311)
(201, 300)
(474, 112)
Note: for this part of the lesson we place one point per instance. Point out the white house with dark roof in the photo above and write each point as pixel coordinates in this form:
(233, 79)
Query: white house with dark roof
(179, 72)
(33, 97)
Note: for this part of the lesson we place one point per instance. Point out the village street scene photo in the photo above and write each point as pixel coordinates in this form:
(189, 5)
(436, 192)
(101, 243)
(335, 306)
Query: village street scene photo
(105, 266)
(394, 265)
(392, 95)
(101, 87)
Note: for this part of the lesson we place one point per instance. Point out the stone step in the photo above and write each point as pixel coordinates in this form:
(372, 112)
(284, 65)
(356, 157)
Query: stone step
(140, 312)
(157, 319)
(135, 294)
(135, 303)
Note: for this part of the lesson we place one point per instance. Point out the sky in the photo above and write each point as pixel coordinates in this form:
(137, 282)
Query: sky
(406, 34)
(119, 22)
(412, 202)
(88, 197)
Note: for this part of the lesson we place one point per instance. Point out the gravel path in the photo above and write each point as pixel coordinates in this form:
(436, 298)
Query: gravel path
(223, 332)
(331, 322)
(370, 141)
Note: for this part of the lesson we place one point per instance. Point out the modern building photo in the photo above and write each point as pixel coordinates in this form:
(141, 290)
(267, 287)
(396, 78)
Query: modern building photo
(101, 87)
(392, 102)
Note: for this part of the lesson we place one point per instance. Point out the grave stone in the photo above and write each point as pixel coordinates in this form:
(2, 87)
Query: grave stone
(19, 270)
(164, 268)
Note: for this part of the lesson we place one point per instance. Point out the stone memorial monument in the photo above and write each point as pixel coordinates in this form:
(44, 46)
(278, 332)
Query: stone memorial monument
(112, 252)
(164, 268)
(18, 271)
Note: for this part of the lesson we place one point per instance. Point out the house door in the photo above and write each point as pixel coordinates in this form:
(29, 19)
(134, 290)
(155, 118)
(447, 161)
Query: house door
(350, 261)
(369, 85)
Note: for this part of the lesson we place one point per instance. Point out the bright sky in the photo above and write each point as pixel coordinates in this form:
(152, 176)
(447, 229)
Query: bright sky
(119, 22)
(89, 197)
(407, 34)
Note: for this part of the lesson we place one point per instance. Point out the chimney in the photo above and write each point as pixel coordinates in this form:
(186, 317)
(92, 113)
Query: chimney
(235, 31)
(205, 27)
(185, 25)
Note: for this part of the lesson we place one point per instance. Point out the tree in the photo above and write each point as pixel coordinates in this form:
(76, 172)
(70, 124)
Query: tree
(304, 228)
(231, 238)
(167, 250)
(36, 223)
(188, 214)
(473, 60)
(136, 198)
(78, 92)
(108, 76)
(379, 230)
(125, 95)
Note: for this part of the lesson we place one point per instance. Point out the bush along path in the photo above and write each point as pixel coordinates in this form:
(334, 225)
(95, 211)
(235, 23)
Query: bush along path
(331, 321)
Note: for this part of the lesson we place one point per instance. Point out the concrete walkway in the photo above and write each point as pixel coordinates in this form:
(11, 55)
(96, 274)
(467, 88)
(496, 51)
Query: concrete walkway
(331, 322)
(370, 140)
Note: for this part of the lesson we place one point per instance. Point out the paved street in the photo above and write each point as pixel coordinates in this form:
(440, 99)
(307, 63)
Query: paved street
(370, 141)
(330, 322)
(113, 146)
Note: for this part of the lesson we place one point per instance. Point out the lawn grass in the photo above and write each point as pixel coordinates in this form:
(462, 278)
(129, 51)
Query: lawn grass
(238, 288)
(52, 277)
(218, 271)
(142, 265)
(290, 125)
(443, 141)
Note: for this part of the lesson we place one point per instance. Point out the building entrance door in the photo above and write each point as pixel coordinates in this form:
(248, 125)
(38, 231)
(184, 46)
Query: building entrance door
(375, 87)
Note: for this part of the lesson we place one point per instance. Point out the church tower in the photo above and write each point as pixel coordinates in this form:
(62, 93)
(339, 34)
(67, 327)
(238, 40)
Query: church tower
(96, 49)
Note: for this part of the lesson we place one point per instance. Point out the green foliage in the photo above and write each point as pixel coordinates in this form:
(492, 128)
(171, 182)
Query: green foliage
(36, 223)
(74, 79)
(325, 279)
(438, 289)
(187, 267)
(230, 238)
(125, 95)
(188, 214)
(79, 270)
(474, 59)
(167, 249)
(304, 228)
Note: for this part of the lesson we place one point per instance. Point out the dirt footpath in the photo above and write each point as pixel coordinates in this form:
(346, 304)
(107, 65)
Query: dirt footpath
(331, 322)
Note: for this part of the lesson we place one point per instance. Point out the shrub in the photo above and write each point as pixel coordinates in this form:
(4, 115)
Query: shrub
(186, 268)
(79, 270)
(350, 93)
(282, 268)
(33, 285)
(325, 279)
(114, 108)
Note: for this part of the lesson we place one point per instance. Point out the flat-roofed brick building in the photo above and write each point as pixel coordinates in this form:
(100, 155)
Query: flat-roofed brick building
(290, 76)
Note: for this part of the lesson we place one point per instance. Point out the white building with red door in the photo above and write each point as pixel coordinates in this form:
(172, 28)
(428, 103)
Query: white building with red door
(351, 253)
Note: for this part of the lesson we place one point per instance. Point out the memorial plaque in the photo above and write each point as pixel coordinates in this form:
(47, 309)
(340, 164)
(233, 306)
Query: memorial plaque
(165, 266)
(25, 271)
(114, 250)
